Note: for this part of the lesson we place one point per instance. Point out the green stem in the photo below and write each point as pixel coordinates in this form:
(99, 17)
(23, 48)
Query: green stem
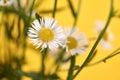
(70, 73)
(31, 9)
(114, 53)
(60, 55)
(107, 57)
(43, 59)
(72, 9)
(43, 66)
(54, 10)
(97, 41)
(19, 5)
(76, 16)
(77, 13)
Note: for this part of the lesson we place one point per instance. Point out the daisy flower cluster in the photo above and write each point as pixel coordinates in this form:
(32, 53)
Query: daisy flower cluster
(46, 33)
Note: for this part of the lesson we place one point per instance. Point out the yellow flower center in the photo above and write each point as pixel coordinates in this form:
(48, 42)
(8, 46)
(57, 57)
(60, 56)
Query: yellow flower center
(72, 42)
(46, 34)
(105, 36)
(4, 1)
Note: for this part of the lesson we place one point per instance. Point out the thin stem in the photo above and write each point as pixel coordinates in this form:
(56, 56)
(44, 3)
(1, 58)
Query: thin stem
(72, 9)
(19, 5)
(70, 73)
(77, 13)
(114, 53)
(43, 66)
(54, 10)
(76, 16)
(97, 41)
(31, 9)
(104, 59)
(43, 59)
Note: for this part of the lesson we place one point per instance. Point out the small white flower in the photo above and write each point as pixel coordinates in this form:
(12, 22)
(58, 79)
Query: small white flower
(76, 44)
(108, 36)
(46, 33)
(6, 2)
(14, 3)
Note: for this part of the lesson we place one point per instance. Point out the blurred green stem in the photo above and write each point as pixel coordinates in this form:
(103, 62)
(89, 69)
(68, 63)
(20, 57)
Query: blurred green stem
(71, 7)
(97, 41)
(54, 10)
(31, 10)
(71, 70)
(43, 65)
(77, 13)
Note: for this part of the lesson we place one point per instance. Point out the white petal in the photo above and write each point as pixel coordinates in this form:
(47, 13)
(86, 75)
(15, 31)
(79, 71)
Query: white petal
(32, 31)
(44, 45)
(83, 42)
(35, 40)
(80, 36)
(54, 25)
(81, 51)
(73, 52)
(58, 29)
(99, 25)
(36, 25)
(48, 22)
(51, 46)
(106, 45)
(111, 37)
(42, 23)
(74, 31)
(39, 44)
(32, 35)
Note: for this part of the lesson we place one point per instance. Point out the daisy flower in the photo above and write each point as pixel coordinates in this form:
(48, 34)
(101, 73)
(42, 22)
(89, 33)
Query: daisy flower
(76, 44)
(108, 36)
(45, 33)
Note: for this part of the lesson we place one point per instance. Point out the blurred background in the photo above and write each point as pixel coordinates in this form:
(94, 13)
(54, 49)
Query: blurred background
(90, 11)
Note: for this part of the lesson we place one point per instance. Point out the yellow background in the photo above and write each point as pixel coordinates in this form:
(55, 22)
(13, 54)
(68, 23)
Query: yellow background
(90, 11)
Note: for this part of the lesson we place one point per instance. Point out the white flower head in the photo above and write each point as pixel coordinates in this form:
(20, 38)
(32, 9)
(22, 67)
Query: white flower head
(6, 2)
(14, 3)
(76, 44)
(46, 33)
(108, 36)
